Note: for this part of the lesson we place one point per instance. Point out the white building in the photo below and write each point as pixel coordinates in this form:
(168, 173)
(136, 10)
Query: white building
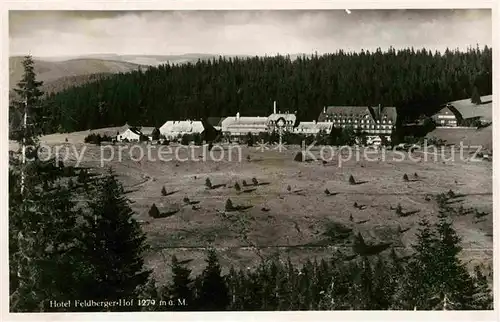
(373, 121)
(130, 134)
(313, 128)
(287, 119)
(173, 129)
(236, 126)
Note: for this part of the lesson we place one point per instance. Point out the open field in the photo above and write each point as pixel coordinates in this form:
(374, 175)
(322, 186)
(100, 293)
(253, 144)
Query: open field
(468, 136)
(290, 211)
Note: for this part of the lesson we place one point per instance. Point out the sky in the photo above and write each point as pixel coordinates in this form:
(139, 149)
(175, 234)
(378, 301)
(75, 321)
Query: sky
(80, 33)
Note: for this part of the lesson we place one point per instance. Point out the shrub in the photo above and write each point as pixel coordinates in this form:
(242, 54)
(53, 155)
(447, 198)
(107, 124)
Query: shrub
(355, 204)
(165, 142)
(198, 140)
(405, 177)
(248, 158)
(451, 194)
(351, 218)
(244, 182)
(186, 200)
(351, 180)
(66, 140)
(237, 186)
(82, 176)
(255, 182)
(154, 212)
(327, 191)
(208, 183)
(415, 175)
(186, 138)
(163, 191)
(229, 205)
(399, 209)
(289, 188)
(71, 184)
(155, 135)
(250, 139)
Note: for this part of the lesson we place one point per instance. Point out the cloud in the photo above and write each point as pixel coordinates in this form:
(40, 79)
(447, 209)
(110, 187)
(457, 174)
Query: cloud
(72, 33)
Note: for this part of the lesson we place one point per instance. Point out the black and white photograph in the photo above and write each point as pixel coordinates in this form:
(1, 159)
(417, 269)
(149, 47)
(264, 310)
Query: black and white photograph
(250, 160)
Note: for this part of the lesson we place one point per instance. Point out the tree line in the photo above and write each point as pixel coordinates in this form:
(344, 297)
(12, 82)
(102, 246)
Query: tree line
(415, 81)
(73, 236)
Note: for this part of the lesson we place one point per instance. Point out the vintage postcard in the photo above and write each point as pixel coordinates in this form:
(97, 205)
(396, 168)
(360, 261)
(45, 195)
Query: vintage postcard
(250, 160)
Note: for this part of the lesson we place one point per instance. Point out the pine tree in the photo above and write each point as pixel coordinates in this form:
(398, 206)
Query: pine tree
(42, 215)
(405, 177)
(208, 183)
(454, 279)
(154, 212)
(180, 287)
(113, 245)
(43, 255)
(29, 105)
(229, 205)
(483, 299)
(476, 98)
(163, 191)
(351, 180)
(417, 287)
(237, 186)
(214, 294)
(155, 135)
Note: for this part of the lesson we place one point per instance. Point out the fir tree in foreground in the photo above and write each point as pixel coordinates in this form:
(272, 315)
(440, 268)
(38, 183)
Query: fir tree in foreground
(180, 287)
(476, 98)
(214, 294)
(42, 215)
(436, 279)
(113, 245)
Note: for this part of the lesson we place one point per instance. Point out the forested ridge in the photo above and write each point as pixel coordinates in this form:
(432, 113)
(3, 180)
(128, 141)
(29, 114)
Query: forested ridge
(415, 81)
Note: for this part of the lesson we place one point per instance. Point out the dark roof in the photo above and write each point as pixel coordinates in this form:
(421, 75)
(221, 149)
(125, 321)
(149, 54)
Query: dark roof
(466, 109)
(359, 111)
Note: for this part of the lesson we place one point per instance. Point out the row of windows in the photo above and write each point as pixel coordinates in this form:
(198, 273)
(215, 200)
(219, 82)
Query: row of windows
(361, 121)
(372, 126)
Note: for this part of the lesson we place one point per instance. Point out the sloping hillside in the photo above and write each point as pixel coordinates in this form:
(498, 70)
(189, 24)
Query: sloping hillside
(70, 81)
(48, 71)
(468, 136)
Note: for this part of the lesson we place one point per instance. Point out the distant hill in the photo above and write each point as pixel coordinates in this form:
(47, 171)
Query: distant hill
(149, 60)
(59, 73)
(63, 83)
(50, 71)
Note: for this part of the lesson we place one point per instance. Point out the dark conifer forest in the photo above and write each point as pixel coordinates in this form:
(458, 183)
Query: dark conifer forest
(415, 81)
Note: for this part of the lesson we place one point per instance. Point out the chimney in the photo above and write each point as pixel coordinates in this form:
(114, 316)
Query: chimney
(274, 109)
(238, 115)
(324, 109)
